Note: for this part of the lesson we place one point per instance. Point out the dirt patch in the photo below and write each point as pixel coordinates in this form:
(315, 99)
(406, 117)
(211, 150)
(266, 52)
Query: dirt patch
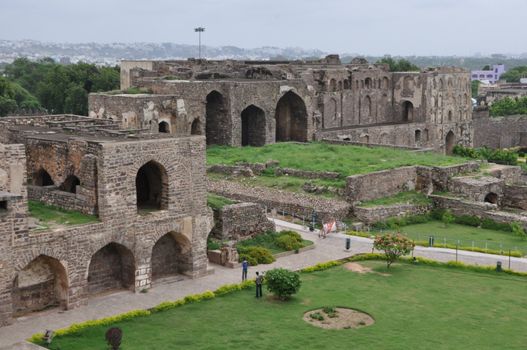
(338, 318)
(356, 267)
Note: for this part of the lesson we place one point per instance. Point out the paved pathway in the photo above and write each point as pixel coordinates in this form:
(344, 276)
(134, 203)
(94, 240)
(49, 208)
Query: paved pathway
(327, 249)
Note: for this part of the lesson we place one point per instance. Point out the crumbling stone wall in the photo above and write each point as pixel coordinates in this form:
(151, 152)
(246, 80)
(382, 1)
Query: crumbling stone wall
(478, 188)
(117, 252)
(240, 221)
(500, 132)
(371, 215)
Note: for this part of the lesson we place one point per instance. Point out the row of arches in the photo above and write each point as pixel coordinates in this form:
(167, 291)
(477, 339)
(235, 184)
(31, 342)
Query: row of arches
(44, 282)
(165, 128)
(42, 178)
(290, 121)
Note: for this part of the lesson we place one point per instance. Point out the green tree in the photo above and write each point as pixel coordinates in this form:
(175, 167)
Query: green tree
(518, 230)
(282, 283)
(486, 67)
(76, 101)
(393, 246)
(401, 65)
(509, 106)
(7, 106)
(447, 218)
(474, 85)
(515, 74)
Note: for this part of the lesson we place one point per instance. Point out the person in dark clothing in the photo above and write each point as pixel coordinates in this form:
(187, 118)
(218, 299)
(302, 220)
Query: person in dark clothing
(259, 282)
(245, 267)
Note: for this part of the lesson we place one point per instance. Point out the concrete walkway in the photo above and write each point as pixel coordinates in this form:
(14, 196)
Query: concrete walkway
(331, 248)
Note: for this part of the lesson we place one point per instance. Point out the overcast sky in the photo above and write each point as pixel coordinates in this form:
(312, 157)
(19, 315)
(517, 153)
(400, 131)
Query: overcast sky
(376, 27)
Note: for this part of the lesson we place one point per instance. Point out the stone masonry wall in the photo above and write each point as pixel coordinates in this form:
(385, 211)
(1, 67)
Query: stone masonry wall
(241, 221)
(500, 132)
(380, 184)
(371, 215)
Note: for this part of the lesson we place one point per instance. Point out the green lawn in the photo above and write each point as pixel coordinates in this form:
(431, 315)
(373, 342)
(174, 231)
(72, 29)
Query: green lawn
(315, 156)
(50, 216)
(217, 202)
(494, 239)
(268, 240)
(415, 307)
(410, 197)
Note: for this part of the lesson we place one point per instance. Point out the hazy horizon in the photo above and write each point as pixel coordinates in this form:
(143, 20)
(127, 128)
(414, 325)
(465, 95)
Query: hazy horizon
(376, 28)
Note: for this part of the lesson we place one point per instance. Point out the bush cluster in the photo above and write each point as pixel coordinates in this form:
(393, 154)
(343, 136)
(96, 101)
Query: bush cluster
(499, 156)
(469, 220)
(256, 255)
(289, 240)
(282, 282)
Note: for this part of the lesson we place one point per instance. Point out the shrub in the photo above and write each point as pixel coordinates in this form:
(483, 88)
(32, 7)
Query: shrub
(447, 218)
(518, 230)
(322, 266)
(288, 242)
(468, 220)
(283, 283)
(256, 255)
(113, 337)
(295, 235)
(213, 244)
(317, 316)
(394, 246)
(500, 156)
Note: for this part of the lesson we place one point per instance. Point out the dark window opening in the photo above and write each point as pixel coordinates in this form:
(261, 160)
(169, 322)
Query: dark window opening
(70, 184)
(491, 198)
(164, 127)
(151, 187)
(42, 178)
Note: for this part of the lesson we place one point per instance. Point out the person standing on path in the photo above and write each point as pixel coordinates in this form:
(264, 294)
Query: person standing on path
(259, 282)
(245, 267)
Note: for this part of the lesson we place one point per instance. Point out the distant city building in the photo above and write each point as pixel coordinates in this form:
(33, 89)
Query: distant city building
(492, 76)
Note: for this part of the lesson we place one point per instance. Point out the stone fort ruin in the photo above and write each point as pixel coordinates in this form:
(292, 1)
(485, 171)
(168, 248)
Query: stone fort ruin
(137, 162)
(255, 103)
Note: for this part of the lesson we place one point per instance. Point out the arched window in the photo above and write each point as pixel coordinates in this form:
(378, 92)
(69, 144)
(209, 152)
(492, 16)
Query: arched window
(195, 128)
(407, 111)
(417, 136)
(164, 127)
(253, 126)
(491, 198)
(111, 268)
(42, 178)
(368, 83)
(151, 184)
(449, 143)
(70, 184)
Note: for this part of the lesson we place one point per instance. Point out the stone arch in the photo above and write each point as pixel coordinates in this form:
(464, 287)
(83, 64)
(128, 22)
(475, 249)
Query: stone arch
(332, 85)
(112, 267)
(491, 197)
(217, 124)
(407, 111)
(332, 109)
(42, 178)
(385, 83)
(417, 136)
(253, 126)
(291, 118)
(367, 106)
(70, 184)
(450, 141)
(408, 83)
(195, 127)
(151, 183)
(163, 127)
(41, 284)
(346, 84)
(171, 255)
(368, 83)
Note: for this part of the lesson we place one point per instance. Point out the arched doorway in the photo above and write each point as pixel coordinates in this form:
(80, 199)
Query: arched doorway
(291, 118)
(70, 184)
(195, 128)
(151, 184)
(408, 111)
(171, 255)
(112, 267)
(164, 127)
(253, 126)
(42, 284)
(42, 178)
(449, 143)
(417, 136)
(491, 198)
(217, 126)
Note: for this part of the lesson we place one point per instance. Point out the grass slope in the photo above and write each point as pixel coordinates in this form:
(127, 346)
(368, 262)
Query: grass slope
(344, 159)
(466, 235)
(416, 307)
(410, 197)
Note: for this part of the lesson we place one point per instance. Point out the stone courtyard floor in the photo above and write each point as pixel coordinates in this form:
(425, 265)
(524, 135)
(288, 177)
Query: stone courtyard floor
(331, 248)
